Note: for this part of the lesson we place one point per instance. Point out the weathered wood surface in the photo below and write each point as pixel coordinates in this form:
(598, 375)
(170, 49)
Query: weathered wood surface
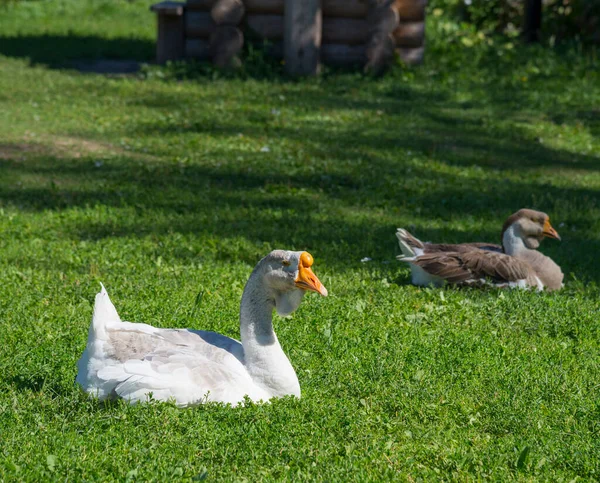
(383, 20)
(273, 7)
(411, 10)
(197, 49)
(228, 12)
(335, 30)
(382, 17)
(380, 52)
(410, 34)
(202, 5)
(411, 55)
(170, 36)
(302, 36)
(345, 8)
(226, 42)
(198, 24)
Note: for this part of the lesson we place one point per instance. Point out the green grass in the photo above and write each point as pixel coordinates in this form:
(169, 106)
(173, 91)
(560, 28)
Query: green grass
(162, 188)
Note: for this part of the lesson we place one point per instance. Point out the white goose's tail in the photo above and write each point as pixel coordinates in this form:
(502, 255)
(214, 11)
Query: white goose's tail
(410, 246)
(104, 314)
(97, 347)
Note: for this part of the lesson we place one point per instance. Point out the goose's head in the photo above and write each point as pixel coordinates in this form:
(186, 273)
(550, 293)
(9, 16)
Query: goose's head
(287, 276)
(531, 226)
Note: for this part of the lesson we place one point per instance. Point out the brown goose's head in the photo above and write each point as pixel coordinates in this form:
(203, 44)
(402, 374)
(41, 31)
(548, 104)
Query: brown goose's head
(531, 226)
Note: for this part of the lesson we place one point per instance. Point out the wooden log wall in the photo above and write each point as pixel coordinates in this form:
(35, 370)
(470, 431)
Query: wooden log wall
(410, 34)
(353, 32)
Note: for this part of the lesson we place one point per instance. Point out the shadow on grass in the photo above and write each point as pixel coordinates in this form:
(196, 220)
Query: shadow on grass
(330, 213)
(344, 189)
(77, 51)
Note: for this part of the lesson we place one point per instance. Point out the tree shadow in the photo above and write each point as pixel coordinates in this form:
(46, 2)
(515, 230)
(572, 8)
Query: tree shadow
(68, 51)
(333, 212)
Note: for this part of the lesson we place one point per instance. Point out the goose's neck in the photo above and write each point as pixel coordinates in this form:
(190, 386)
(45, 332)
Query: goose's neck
(513, 243)
(264, 358)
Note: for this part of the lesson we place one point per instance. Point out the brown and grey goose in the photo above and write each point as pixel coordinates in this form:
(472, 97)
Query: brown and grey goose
(515, 263)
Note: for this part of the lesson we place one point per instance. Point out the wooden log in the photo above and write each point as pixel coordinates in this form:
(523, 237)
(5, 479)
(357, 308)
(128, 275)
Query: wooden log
(343, 55)
(268, 27)
(302, 36)
(379, 52)
(198, 24)
(335, 30)
(411, 55)
(228, 12)
(382, 17)
(411, 10)
(169, 43)
(350, 31)
(410, 34)
(345, 8)
(271, 7)
(383, 20)
(197, 49)
(226, 42)
(202, 5)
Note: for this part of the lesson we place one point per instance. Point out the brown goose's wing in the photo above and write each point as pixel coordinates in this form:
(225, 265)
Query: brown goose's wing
(461, 247)
(473, 266)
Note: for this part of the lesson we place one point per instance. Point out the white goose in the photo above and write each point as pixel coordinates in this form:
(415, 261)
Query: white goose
(131, 361)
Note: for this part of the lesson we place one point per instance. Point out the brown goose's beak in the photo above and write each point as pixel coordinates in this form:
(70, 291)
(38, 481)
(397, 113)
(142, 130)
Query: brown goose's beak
(549, 231)
(306, 279)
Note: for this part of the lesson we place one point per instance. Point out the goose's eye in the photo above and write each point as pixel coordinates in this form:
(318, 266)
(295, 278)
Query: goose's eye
(286, 263)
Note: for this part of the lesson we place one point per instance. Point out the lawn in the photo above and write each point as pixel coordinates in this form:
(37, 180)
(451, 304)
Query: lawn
(175, 181)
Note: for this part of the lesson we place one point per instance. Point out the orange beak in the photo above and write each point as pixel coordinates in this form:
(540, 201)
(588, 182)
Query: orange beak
(549, 231)
(306, 279)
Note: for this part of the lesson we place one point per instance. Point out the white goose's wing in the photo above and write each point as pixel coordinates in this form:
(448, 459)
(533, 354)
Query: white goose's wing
(182, 375)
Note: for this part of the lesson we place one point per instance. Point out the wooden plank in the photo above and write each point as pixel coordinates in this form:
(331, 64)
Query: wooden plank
(272, 7)
(202, 5)
(169, 40)
(411, 55)
(345, 8)
(411, 10)
(338, 30)
(168, 8)
(228, 12)
(226, 42)
(197, 49)
(343, 54)
(198, 24)
(302, 36)
(268, 27)
(410, 34)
